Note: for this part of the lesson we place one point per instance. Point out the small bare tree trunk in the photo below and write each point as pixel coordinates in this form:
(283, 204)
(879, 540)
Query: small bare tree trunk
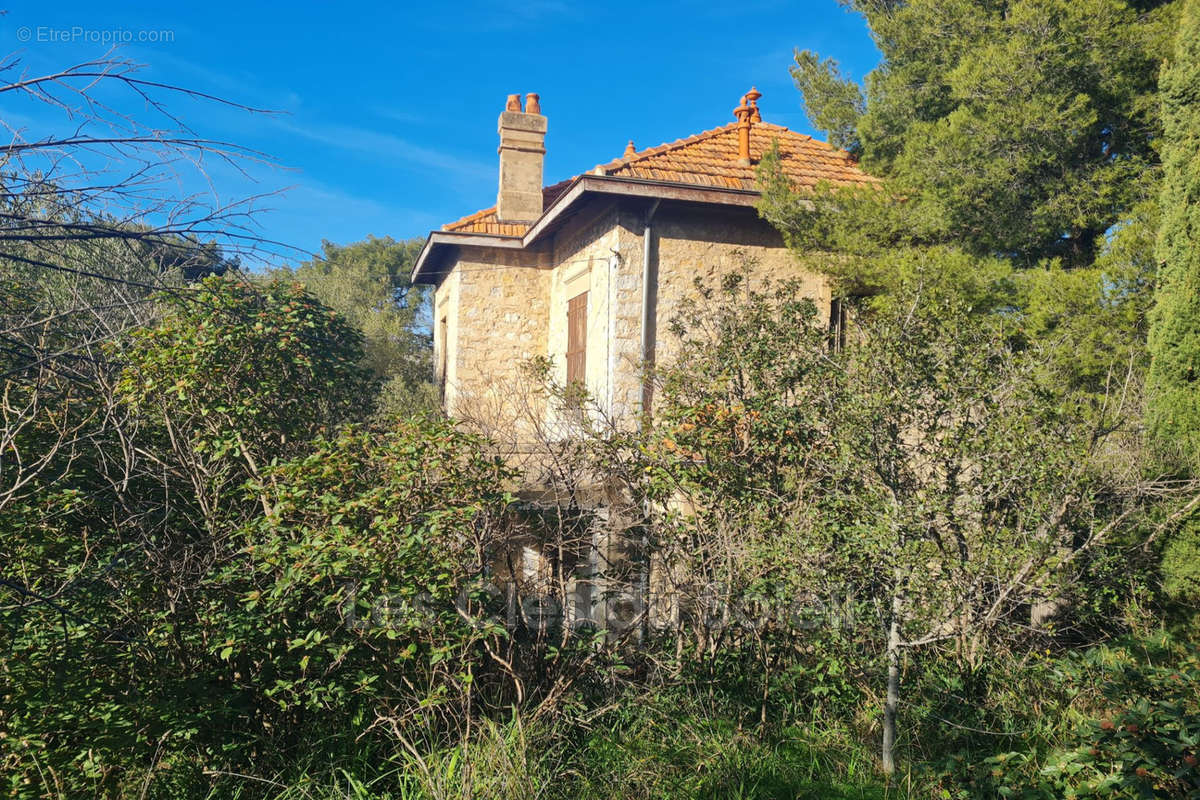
(893, 687)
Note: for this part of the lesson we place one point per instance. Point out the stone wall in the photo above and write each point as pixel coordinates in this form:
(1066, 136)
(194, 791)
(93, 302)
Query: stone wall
(496, 304)
(445, 335)
(709, 246)
(688, 244)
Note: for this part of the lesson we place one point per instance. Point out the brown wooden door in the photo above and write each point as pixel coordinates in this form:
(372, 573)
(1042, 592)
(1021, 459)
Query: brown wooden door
(577, 338)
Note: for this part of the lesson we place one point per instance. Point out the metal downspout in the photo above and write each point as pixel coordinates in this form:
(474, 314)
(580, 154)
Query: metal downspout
(647, 312)
(648, 297)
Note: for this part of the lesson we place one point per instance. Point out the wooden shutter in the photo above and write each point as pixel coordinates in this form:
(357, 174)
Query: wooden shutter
(577, 338)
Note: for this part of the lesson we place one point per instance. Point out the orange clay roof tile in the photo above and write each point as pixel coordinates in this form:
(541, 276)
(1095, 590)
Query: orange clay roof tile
(485, 221)
(706, 159)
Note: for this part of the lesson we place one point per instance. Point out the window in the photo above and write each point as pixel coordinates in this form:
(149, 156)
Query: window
(577, 338)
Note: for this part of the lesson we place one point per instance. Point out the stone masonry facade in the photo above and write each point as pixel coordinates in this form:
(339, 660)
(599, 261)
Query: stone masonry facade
(501, 308)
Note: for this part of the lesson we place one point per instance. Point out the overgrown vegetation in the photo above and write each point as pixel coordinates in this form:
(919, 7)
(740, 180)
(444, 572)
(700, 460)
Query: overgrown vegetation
(950, 556)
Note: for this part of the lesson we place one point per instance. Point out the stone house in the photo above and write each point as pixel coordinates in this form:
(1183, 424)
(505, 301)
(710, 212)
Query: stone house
(587, 271)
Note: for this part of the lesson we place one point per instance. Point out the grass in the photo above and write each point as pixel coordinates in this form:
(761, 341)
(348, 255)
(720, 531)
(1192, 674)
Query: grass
(650, 748)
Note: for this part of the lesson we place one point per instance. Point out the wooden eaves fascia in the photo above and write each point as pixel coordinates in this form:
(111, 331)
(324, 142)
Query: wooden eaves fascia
(582, 185)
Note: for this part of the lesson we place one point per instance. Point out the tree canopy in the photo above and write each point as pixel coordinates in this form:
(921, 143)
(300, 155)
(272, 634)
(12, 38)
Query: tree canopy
(1023, 129)
(1174, 379)
(368, 283)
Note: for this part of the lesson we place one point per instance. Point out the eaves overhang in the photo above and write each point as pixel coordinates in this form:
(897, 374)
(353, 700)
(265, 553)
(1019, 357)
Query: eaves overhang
(440, 247)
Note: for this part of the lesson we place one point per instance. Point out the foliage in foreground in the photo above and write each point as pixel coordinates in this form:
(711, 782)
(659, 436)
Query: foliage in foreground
(170, 583)
(335, 625)
(1134, 731)
(924, 470)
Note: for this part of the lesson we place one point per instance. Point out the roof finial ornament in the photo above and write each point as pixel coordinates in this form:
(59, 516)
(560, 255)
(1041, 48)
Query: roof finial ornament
(753, 96)
(629, 149)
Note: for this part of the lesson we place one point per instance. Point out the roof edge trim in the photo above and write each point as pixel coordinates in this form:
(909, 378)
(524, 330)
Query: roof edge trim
(425, 273)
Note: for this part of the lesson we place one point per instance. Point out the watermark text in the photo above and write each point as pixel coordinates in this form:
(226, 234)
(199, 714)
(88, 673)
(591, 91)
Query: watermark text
(75, 34)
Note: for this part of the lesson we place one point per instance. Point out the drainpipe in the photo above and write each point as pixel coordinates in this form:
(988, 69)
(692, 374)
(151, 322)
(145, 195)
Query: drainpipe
(647, 310)
(614, 265)
(648, 297)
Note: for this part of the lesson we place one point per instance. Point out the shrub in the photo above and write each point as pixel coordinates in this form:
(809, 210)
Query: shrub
(1138, 735)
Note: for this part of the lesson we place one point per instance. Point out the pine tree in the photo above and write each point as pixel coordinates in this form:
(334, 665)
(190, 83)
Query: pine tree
(1174, 380)
(1021, 129)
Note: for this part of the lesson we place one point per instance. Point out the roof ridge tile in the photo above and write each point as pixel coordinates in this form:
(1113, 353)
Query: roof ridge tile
(667, 146)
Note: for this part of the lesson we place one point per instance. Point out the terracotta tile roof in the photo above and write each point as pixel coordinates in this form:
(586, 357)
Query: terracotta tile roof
(706, 159)
(485, 221)
(710, 159)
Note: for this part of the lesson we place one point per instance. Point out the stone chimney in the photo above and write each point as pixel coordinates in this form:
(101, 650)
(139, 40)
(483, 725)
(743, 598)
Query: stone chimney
(522, 152)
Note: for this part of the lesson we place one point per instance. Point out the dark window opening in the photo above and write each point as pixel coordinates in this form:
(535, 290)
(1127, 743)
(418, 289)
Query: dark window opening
(837, 325)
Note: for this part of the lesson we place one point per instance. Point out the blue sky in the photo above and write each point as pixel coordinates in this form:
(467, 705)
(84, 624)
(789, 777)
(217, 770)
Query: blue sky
(387, 113)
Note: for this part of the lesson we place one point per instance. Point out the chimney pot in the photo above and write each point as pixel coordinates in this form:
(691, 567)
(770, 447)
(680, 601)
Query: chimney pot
(742, 110)
(629, 149)
(533, 104)
(514, 103)
(746, 114)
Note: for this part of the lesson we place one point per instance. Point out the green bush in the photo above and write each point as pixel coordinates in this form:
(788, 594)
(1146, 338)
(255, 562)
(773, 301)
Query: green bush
(341, 608)
(1130, 729)
(181, 590)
